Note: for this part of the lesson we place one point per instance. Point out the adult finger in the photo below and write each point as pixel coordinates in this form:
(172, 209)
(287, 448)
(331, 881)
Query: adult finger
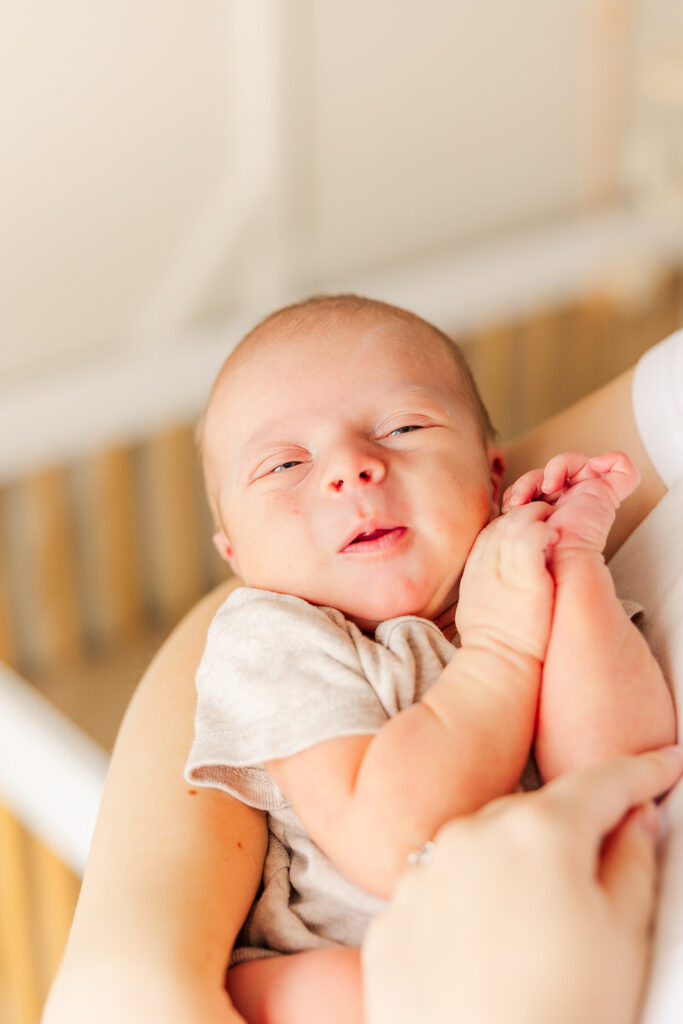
(591, 802)
(628, 869)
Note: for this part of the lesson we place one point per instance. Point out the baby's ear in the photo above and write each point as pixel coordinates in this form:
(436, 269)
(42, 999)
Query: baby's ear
(496, 458)
(224, 548)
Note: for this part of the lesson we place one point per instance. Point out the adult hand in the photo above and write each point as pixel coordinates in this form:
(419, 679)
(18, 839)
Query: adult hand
(537, 908)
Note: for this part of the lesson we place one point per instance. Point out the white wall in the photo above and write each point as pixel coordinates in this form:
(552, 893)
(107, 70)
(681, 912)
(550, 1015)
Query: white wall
(437, 128)
(379, 131)
(114, 120)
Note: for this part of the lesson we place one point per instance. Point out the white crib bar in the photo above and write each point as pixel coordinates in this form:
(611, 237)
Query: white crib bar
(51, 773)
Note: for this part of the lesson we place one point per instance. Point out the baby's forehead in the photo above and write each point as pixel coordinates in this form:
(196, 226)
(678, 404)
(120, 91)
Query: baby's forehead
(318, 336)
(301, 357)
(281, 359)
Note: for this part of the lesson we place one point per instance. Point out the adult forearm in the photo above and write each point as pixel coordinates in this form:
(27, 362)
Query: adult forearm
(171, 872)
(134, 989)
(158, 915)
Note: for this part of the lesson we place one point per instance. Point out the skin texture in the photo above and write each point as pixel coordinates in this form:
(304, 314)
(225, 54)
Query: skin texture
(535, 909)
(171, 873)
(369, 492)
(296, 477)
(157, 851)
(603, 693)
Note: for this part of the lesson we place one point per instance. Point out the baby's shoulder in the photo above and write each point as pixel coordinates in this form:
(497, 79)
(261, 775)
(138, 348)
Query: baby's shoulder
(258, 616)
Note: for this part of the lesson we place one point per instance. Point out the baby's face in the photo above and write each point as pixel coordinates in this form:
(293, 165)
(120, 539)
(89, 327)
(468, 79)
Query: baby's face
(348, 469)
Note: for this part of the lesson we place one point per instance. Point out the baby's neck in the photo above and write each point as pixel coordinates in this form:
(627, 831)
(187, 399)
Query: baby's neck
(446, 622)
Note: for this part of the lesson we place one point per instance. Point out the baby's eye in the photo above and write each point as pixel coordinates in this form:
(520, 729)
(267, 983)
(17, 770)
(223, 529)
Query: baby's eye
(286, 465)
(405, 430)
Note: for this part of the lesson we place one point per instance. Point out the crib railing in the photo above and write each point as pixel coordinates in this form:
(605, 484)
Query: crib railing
(97, 560)
(101, 555)
(51, 778)
(37, 900)
(96, 552)
(531, 367)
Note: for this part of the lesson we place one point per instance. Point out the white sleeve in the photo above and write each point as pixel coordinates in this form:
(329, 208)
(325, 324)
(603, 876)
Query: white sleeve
(658, 406)
(277, 676)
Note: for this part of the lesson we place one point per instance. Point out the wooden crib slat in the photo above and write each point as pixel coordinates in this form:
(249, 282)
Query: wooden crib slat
(493, 365)
(540, 383)
(112, 546)
(666, 312)
(173, 526)
(19, 977)
(592, 330)
(56, 893)
(8, 649)
(598, 335)
(658, 318)
(49, 557)
(7, 644)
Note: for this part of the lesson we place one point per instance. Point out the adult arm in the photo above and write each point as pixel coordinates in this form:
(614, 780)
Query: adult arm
(171, 873)
(536, 909)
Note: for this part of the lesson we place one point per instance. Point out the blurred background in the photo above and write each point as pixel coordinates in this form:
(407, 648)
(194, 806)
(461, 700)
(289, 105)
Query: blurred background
(170, 172)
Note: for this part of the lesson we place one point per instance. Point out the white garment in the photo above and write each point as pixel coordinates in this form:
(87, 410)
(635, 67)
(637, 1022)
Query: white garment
(658, 406)
(651, 564)
(277, 676)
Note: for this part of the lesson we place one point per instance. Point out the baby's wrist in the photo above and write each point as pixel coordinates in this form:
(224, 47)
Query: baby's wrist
(483, 652)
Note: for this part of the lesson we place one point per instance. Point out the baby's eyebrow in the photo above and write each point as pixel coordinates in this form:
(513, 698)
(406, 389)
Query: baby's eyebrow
(265, 433)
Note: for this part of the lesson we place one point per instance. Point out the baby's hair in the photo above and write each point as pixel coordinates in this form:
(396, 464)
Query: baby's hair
(305, 317)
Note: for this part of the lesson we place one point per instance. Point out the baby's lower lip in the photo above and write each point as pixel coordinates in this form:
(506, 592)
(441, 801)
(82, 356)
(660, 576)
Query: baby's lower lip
(377, 540)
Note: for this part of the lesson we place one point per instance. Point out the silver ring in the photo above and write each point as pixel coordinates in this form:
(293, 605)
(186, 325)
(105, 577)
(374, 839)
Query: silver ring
(423, 855)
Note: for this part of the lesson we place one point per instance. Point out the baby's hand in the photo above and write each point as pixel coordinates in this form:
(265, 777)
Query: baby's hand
(506, 591)
(565, 471)
(585, 492)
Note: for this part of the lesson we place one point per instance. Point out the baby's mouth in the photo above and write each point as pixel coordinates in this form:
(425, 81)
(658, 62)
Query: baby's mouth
(375, 540)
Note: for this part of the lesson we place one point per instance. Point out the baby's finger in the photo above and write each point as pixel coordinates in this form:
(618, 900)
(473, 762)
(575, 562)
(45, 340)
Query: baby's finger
(503, 530)
(524, 490)
(621, 473)
(524, 557)
(562, 469)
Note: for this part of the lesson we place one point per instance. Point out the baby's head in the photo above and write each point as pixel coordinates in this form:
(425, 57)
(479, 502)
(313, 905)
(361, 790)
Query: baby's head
(349, 460)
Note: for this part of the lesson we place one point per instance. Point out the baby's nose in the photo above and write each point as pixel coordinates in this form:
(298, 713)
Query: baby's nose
(365, 476)
(352, 470)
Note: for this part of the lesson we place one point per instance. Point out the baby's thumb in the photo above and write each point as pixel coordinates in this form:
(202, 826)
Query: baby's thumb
(628, 868)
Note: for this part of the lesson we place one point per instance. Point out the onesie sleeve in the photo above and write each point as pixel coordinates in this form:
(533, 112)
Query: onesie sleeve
(277, 676)
(658, 406)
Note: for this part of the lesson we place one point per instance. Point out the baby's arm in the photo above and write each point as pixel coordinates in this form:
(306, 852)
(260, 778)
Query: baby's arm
(369, 800)
(603, 693)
